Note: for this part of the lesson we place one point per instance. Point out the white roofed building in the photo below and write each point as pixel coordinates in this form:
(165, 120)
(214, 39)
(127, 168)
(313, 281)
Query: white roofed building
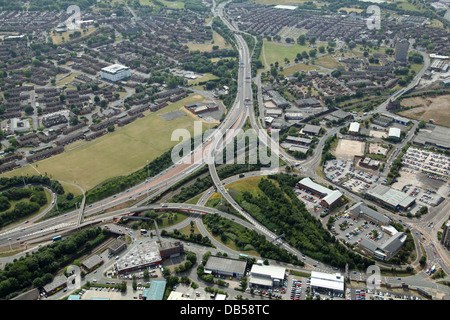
(262, 276)
(115, 72)
(327, 282)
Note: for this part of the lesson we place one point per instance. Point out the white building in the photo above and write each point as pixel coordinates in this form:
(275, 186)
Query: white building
(115, 72)
(395, 132)
(262, 276)
(354, 128)
(327, 282)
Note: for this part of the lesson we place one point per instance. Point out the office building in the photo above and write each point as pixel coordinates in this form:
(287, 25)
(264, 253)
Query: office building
(115, 72)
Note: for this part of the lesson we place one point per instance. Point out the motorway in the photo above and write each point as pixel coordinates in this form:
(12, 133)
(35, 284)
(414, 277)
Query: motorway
(204, 153)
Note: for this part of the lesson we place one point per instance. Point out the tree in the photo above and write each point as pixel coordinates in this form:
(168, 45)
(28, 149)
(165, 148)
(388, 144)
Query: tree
(301, 40)
(111, 128)
(29, 110)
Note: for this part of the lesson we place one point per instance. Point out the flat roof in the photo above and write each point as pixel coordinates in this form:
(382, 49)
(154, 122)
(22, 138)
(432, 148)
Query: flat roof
(333, 281)
(394, 132)
(282, 6)
(226, 264)
(115, 68)
(354, 127)
(141, 255)
(273, 272)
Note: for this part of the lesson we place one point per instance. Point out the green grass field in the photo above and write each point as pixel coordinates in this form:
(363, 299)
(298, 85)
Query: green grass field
(217, 40)
(118, 153)
(276, 52)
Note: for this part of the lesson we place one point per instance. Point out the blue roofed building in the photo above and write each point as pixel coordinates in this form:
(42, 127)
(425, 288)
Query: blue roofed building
(156, 290)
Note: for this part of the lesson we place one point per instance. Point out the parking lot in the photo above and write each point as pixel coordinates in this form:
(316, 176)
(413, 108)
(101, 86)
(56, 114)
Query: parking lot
(343, 172)
(352, 231)
(431, 162)
(310, 201)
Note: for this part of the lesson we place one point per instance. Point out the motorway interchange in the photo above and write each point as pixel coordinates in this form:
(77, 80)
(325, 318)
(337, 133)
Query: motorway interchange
(140, 194)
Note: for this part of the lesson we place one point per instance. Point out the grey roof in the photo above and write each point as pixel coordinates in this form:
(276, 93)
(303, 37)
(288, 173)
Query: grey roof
(56, 283)
(437, 136)
(225, 264)
(391, 196)
(368, 245)
(394, 242)
(360, 207)
(307, 182)
(311, 128)
(332, 197)
(92, 261)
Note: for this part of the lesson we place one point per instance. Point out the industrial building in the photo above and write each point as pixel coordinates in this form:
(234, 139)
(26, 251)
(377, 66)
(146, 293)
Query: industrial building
(327, 282)
(263, 276)
(354, 128)
(391, 198)
(433, 136)
(115, 72)
(332, 198)
(224, 266)
(395, 133)
(92, 262)
(310, 130)
(329, 198)
(155, 291)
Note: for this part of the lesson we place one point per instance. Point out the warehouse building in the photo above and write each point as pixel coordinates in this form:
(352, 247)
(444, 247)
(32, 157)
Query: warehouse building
(155, 291)
(354, 128)
(224, 266)
(433, 136)
(329, 198)
(327, 282)
(92, 262)
(310, 130)
(115, 72)
(265, 277)
(391, 198)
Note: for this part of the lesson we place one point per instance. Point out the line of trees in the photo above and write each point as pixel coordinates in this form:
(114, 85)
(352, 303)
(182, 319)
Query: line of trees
(38, 269)
(279, 209)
